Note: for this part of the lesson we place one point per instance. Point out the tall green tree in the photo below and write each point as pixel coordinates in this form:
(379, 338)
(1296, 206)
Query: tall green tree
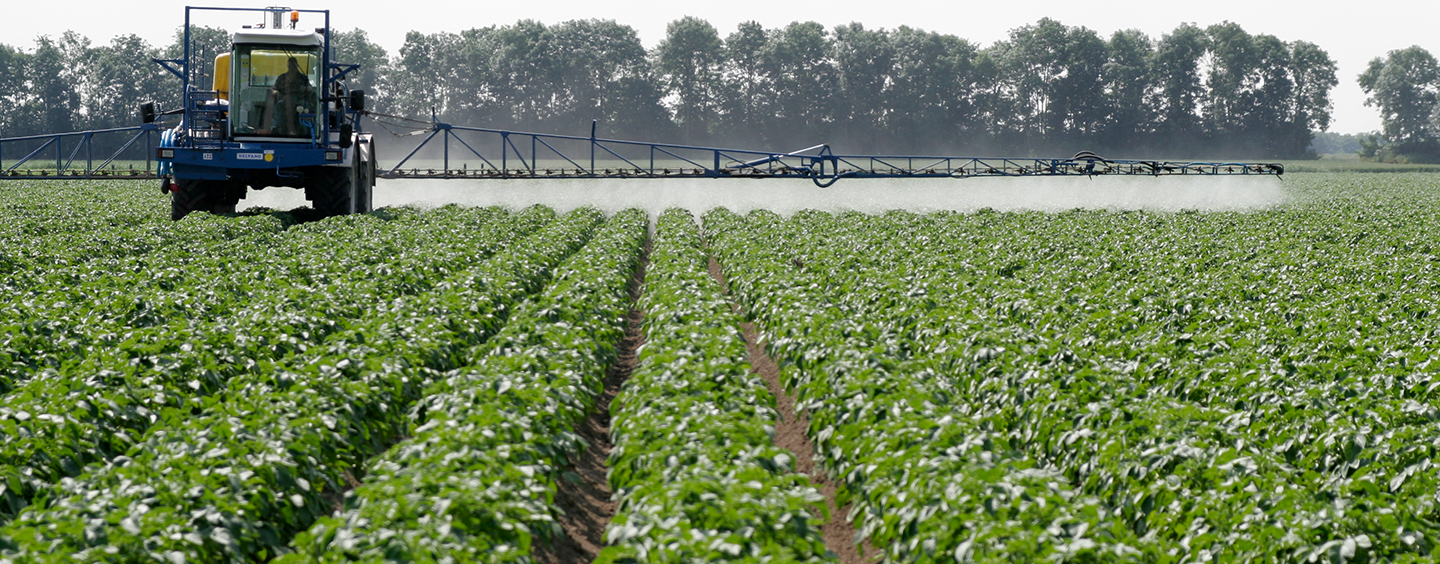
(53, 103)
(1404, 86)
(1249, 103)
(79, 58)
(635, 111)
(995, 104)
(473, 75)
(1230, 81)
(688, 64)
(424, 74)
(601, 56)
(1129, 91)
(1313, 73)
(355, 47)
(12, 90)
(119, 77)
(930, 104)
(1176, 66)
(803, 76)
(747, 91)
(529, 68)
(865, 61)
(1056, 73)
(1270, 126)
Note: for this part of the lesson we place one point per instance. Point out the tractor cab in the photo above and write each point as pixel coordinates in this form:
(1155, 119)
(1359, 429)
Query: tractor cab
(272, 85)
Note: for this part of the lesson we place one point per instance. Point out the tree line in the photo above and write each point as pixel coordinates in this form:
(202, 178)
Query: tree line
(1048, 88)
(1405, 86)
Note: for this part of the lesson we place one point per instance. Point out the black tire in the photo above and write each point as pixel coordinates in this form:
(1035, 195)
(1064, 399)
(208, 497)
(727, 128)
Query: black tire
(334, 191)
(365, 177)
(192, 195)
(234, 192)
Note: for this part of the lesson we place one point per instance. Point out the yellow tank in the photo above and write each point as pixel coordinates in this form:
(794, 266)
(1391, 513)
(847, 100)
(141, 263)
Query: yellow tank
(221, 72)
(260, 69)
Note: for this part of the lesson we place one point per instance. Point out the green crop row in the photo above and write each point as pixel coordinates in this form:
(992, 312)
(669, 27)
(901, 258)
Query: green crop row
(149, 279)
(926, 482)
(236, 479)
(475, 479)
(1111, 386)
(219, 269)
(694, 466)
(102, 403)
(54, 312)
(67, 222)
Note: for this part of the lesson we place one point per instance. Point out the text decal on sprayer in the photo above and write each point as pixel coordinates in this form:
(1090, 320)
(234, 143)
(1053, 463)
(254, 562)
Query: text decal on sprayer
(249, 156)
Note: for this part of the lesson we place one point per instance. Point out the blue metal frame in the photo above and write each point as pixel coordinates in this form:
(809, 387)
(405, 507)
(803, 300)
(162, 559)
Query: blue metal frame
(817, 163)
(148, 132)
(209, 158)
(193, 98)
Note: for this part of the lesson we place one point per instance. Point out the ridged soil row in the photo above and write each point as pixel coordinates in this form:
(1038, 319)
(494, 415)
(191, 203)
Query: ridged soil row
(790, 434)
(585, 498)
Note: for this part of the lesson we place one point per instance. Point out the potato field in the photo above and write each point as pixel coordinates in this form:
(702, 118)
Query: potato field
(479, 384)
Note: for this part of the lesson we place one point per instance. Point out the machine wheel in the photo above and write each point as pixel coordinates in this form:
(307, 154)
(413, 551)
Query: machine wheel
(365, 175)
(190, 195)
(234, 192)
(205, 195)
(335, 191)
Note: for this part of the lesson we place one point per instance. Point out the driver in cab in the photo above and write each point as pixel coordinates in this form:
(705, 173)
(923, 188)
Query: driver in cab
(286, 101)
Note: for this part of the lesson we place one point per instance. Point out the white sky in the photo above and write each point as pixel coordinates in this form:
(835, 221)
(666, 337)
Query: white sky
(1352, 32)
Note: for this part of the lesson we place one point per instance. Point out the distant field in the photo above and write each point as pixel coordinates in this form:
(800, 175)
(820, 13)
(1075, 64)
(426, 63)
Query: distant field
(1352, 163)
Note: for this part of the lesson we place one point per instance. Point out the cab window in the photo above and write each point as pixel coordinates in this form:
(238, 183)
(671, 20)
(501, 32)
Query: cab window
(275, 92)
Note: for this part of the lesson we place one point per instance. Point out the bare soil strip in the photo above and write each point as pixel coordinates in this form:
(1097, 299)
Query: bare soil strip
(585, 497)
(790, 434)
(336, 499)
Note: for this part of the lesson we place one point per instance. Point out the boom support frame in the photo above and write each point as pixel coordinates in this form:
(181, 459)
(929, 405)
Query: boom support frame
(519, 154)
(516, 154)
(69, 146)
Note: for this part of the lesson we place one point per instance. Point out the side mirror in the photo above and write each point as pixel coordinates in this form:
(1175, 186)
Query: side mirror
(357, 100)
(347, 135)
(147, 112)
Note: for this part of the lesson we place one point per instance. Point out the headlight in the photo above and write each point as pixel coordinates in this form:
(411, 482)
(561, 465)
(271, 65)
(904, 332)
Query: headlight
(332, 155)
(166, 153)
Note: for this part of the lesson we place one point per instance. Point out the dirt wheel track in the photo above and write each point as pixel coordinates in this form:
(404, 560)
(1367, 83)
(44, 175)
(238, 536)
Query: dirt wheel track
(585, 497)
(791, 434)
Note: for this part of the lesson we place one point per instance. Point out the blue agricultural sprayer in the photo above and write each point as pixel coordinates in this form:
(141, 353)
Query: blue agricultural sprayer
(280, 113)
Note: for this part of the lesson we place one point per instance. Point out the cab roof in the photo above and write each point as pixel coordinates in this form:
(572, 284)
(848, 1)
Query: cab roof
(277, 37)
